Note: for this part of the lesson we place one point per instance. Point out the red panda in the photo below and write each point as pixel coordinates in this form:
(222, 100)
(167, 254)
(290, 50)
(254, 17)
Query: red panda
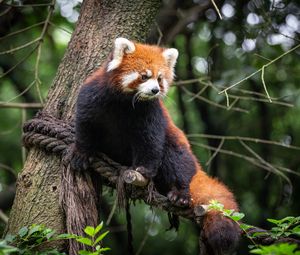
(120, 113)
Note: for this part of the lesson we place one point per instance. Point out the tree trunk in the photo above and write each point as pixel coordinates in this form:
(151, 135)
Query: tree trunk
(100, 22)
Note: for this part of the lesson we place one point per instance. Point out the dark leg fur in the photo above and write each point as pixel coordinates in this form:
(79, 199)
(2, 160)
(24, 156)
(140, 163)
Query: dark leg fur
(176, 170)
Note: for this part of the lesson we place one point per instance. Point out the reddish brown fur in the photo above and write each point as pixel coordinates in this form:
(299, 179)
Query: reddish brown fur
(144, 57)
(175, 131)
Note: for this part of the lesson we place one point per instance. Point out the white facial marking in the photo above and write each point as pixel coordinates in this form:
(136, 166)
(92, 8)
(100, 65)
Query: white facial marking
(122, 46)
(129, 78)
(146, 88)
(149, 73)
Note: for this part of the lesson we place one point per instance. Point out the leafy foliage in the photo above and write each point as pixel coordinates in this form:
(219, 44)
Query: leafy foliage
(29, 241)
(277, 249)
(93, 240)
(285, 227)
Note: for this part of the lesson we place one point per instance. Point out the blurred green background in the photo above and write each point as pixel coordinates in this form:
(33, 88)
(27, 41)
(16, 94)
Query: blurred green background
(214, 53)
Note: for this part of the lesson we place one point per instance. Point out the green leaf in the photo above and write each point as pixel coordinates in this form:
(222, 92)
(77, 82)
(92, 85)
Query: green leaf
(34, 229)
(256, 234)
(228, 212)
(244, 226)
(99, 227)
(296, 230)
(84, 240)
(236, 216)
(274, 221)
(100, 237)
(215, 205)
(90, 231)
(288, 219)
(279, 249)
(66, 236)
(256, 251)
(23, 231)
(50, 234)
(104, 249)
(10, 238)
(84, 252)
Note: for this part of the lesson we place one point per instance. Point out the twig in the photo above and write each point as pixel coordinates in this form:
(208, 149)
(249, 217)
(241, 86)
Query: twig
(9, 169)
(21, 105)
(23, 149)
(259, 70)
(45, 27)
(19, 62)
(146, 236)
(5, 11)
(243, 138)
(275, 170)
(212, 102)
(22, 93)
(22, 30)
(112, 212)
(20, 47)
(28, 5)
(198, 93)
(252, 160)
(59, 27)
(227, 99)
(217, 9)
(215, 153)
(159, 33)
(263, 82)
(235, 97)
(3, 217)
(36, 73)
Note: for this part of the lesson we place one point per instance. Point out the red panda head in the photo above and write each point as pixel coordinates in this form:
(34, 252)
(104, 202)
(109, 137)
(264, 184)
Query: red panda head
(145, 71)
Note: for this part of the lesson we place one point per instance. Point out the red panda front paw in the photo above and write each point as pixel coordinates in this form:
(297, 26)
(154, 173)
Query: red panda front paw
(78, 161)
(179, 198)
(147, 173)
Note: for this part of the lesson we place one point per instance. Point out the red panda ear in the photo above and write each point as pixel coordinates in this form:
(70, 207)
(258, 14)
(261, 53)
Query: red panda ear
(170, 56)
(122, 46)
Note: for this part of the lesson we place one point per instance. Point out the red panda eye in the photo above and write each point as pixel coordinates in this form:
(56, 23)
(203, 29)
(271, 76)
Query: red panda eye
(144, 77)
(159, 79)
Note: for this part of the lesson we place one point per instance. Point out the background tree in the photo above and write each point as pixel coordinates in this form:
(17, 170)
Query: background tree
(214, 54)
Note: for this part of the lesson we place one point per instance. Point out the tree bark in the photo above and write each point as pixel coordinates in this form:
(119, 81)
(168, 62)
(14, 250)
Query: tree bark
(100, 22)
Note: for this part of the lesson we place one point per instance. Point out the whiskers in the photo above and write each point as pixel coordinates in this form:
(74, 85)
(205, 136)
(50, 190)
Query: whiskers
(136, 98)
(141, 96)
(168, 98)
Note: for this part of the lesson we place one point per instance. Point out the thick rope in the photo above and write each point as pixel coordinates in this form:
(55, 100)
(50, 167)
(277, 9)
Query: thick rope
(55, 136)
(129, 228)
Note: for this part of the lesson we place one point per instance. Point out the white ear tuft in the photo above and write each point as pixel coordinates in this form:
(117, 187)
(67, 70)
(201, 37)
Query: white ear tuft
(170, 56)
(122, 46)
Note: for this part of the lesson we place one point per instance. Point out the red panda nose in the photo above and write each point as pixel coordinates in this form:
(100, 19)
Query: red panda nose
(155, 91)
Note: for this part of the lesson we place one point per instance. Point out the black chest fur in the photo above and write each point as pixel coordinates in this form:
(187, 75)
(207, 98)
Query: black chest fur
(121, 128)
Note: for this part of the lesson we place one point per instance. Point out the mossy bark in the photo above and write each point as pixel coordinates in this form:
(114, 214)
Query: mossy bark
(100, 22)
